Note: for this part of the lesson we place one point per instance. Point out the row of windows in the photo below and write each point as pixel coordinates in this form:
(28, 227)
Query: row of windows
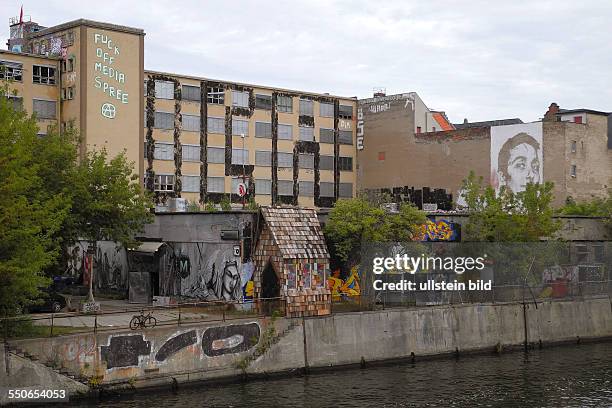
(41, 74)
(165, 151)
(191, 184)
(216, 95)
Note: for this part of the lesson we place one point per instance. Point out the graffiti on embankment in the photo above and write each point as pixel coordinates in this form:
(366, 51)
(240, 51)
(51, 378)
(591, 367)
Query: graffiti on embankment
(134, 349)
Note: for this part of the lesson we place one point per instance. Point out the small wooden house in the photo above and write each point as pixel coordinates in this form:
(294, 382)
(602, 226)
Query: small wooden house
(292, 261)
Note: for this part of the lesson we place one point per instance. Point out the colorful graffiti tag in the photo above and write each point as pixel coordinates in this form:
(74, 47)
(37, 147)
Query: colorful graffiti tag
(347, 288)
(442, 230)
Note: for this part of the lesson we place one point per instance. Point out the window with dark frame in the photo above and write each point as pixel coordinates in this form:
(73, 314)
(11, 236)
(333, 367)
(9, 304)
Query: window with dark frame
(345, 112)
(345, 163)
(11, 70)
(43, 75)
(263, 102)
(216, 95)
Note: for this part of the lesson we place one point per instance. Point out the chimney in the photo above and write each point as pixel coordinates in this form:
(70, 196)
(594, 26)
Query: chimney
(465, 121)
(551, 114)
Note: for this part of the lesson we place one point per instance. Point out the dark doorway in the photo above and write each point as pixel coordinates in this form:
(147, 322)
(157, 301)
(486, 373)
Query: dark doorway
(270, 287)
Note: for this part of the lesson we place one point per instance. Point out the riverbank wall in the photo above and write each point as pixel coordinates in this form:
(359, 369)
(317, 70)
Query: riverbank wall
(221, 350)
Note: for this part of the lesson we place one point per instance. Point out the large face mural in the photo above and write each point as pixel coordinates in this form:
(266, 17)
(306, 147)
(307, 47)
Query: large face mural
(516, 156)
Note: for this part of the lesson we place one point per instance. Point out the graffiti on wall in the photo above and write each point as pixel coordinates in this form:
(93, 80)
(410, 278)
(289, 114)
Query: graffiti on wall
(344, 288)
(176, 344)
(516, 156)
(217, 341)
(125, 351)
(305, 273)
(109, 263)
(441, 230)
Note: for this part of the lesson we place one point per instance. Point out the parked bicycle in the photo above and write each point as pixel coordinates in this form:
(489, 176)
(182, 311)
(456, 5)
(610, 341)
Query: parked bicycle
(143, 321)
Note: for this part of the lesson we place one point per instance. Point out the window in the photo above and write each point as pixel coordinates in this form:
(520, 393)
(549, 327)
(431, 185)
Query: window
(263, 186)
(326, 135)
(285, 159)
(240, 156)
(263, 158)
(240, 127)
(215, 184)
(306, 161)
(216, 155)
(306, 107)
(263, 129)
(164, 182)
(216, 125)
(346, 190)
(573, 170)
(190, 93)
(68, 65)
(68, 93)
(191, 184)
(285, 187)
(240, 99)
(191, 153)
(216, 95)
(326, 110)
(263, 102)
(164, 151)
(307, 134)
(285, 104)
(598, 253)
(345, 163)
(17, 102)
(11, 71)
(43, 75)
(345, 137)
(573, 146)
(345, 112)
(164, 90)
(326, 162)
(285, 132)
(191, 123)
(577, 119)
(582, 253)
(164, 120)
(306, 188)
(419, 129)
(238, 180)
(381, 156)
(44, 109)
(326, 189)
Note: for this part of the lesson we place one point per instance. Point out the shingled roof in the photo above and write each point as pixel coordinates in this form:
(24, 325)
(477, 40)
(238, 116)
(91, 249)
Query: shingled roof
(296, 231)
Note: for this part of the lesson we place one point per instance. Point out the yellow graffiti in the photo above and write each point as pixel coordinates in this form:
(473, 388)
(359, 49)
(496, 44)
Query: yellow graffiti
(349, 287)
(436, 231)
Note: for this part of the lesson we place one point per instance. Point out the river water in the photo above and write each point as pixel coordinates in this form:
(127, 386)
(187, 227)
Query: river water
(565, 376)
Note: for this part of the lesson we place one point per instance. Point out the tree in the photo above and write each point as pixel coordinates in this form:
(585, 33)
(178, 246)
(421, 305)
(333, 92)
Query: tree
(355, 221)
(596, 207)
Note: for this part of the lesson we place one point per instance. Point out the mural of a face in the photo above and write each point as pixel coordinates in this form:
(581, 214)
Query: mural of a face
(519, 163)
(231, 278)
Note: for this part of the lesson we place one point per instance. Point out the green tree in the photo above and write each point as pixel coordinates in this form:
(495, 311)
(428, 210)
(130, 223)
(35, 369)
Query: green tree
(596, 207)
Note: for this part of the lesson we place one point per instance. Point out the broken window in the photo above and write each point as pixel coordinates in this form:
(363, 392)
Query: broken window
(164, 182)
(43, 75)
(68, 93)
(216, 95)
(345, 112)
(12, 71)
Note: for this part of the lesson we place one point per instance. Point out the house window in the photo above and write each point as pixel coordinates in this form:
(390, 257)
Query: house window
(216, 155)
(68, 65)
(191, 153)
(238, 180)
(381, 156)
(326, 162)
(345, 163)
(285, 159)
(263, 158)
(419, 129)
(164, 120)
(577, 119)
(573, 170)
(263, 102)
(240, 156)
(164, 182)
(190, 93)
(263, 129)
(191, 184)
(326, 189)
(191, 123)
(240, 99)
(216, 125)
(216, 95)
(326, 110)
(215, 184)
(326, 135)
(582, 254)
(285, 104)
(43, 75)
(263, 187)
(573, 146)
(240, 127)
(306, 188)
(44, 109)
(285, 132)
(285, 187)
(12, 71)
(68, 93)
(16, 102)
(345, 112)
(345, 190)
(164, 90)
(345, 137)
(164, 151)
(306, 161)
(307, 134)
(306, 107)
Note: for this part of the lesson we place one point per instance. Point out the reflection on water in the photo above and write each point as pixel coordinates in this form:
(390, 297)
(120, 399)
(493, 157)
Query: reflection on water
(568, 376)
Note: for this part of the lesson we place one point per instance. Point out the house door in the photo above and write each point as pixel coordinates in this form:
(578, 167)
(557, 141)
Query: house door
(270, 286)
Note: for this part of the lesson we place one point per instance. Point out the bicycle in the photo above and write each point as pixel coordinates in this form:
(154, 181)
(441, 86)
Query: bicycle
(143, 321)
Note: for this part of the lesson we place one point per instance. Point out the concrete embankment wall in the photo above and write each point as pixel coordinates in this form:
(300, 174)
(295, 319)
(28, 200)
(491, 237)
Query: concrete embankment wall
(217, 350)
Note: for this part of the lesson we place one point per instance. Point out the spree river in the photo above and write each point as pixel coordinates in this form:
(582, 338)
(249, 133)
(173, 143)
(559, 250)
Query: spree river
(566, 376)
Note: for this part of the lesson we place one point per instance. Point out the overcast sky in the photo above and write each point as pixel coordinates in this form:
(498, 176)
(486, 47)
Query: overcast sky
(479, 60)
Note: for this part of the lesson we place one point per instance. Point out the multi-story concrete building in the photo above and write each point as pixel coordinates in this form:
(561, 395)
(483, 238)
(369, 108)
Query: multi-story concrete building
(189, 137)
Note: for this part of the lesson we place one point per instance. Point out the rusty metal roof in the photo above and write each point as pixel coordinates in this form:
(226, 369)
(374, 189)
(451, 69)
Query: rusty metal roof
(296, 231)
